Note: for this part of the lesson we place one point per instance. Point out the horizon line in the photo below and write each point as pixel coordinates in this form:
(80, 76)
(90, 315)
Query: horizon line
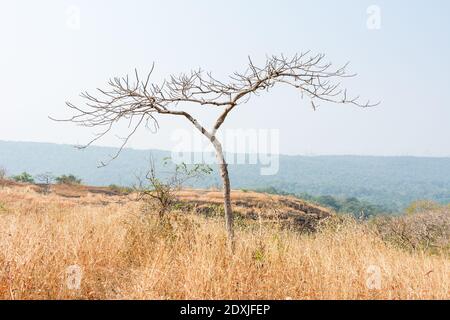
(281, 154)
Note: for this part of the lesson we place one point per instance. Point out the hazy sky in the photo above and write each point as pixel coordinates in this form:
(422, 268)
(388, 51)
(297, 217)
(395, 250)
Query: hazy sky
(45, 59)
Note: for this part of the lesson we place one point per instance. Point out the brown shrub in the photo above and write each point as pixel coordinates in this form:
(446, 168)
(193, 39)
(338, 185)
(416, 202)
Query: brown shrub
(429, 231)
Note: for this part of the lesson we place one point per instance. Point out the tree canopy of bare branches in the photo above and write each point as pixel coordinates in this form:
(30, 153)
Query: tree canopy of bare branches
(139, 101)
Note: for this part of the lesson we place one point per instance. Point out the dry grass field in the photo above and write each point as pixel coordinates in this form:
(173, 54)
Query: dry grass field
(85, 244)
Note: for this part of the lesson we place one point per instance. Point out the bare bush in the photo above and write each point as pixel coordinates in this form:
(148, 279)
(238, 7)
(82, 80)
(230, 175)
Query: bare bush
(428, 231)
(160, 194)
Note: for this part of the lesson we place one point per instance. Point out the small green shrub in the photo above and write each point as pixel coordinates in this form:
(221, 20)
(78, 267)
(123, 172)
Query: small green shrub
(422, 206)
(24, 177)
(68, 179)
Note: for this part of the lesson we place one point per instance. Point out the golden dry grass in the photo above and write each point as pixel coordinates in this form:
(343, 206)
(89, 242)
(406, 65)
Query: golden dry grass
(124, 255)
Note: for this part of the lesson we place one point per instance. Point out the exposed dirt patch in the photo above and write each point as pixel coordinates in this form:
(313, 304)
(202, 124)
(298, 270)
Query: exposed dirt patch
(257, 206)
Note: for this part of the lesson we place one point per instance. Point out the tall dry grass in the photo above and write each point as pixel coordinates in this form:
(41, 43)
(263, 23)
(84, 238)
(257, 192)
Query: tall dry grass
(123, 255)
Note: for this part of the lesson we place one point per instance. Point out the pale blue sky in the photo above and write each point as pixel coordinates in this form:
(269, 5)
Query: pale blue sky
(44, 62)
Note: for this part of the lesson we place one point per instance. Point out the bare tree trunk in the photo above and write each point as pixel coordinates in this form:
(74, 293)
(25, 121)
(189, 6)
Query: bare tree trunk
(223, 167)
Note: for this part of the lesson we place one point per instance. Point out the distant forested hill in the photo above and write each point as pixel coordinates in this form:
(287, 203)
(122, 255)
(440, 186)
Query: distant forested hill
(393, 182)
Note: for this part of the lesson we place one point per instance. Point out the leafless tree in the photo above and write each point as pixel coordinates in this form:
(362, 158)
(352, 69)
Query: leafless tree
(45, 180)
(139, 101)
(2, 173)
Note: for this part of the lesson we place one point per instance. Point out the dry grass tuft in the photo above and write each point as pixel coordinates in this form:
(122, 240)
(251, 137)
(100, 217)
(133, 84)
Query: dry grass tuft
(124, 255)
